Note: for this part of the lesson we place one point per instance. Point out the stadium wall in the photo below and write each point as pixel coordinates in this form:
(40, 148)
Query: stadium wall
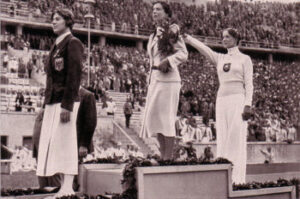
(20, 125)
(16, 126)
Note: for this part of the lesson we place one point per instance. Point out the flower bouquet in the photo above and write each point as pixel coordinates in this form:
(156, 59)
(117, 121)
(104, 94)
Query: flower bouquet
(168, 34)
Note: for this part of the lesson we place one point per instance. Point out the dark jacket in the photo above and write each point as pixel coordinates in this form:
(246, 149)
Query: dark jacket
(127, 108)
(86, 119)
(63, 70)
(86, 122)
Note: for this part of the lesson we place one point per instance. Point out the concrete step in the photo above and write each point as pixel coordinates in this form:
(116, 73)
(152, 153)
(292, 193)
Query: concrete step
(272, 171)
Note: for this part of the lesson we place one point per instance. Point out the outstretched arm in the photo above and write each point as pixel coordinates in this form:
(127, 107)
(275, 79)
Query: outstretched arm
(202, 48)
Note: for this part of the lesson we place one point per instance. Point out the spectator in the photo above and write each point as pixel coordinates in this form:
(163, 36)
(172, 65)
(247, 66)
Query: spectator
(270, 137)
(269, 156)
(28, 105)
(180, 124)
(111, 107)
(127, 112)
(19, 101)
(188, 132)
(21, 68)
(207, 134)
(291, 133)
(34, 57)
(5, 59)
(29, 68)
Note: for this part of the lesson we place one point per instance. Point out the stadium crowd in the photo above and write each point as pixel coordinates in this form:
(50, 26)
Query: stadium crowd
(27, 41)
(125, 69)
(275, 102)
(270, 23)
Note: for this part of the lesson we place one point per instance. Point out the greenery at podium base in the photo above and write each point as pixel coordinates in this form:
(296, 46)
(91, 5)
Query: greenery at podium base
(184, 155)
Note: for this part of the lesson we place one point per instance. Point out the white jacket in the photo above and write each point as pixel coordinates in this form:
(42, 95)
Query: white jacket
(180, 56)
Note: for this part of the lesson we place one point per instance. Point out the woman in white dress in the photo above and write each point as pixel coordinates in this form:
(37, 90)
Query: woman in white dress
(234, 99)
(58, 151)
(165, 83)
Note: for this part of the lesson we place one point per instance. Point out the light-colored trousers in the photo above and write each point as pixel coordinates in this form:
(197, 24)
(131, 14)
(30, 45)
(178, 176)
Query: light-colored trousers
(232, 134)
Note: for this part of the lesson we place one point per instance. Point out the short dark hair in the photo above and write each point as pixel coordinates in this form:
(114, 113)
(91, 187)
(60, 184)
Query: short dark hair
(165, 6)
(66, 14)
(234, 33)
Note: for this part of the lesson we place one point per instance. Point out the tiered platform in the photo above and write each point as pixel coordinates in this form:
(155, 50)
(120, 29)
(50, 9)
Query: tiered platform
(175, 182)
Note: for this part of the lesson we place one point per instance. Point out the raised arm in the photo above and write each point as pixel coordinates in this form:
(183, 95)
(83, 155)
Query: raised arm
(202, 48)
(180, 55)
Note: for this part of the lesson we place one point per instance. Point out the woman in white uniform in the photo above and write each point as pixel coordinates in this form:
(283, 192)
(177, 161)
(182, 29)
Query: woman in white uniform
(58, 140)
(165, 83)
(234, 99)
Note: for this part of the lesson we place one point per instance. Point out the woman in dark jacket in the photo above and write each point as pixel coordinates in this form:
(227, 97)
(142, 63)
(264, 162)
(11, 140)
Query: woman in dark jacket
(57, 153)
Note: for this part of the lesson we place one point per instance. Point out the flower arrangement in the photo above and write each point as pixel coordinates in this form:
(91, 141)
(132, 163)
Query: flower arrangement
(168, 34)
(183, 155)
(259, 185)
(27, 191)
(111, 155)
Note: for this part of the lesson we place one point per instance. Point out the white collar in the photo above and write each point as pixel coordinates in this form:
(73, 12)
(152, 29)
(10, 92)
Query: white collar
(233, 50)
(61, 37)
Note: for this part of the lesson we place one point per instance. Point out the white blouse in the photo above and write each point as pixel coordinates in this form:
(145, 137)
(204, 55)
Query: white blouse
(235, 70)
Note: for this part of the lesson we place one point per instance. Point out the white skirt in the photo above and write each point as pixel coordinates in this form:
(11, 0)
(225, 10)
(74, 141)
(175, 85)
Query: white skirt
(161, 109)
(58, 152)
(232, 134)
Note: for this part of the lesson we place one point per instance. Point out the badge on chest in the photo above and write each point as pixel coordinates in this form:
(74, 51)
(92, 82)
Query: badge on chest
(59, 63)
(226, 67)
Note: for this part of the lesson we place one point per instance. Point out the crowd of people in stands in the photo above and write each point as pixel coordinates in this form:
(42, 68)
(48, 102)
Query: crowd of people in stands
(122, 69)
(189, 130)
(275, 103)
(276, 99)
(267, 22)
(27, 41)
(24, 66)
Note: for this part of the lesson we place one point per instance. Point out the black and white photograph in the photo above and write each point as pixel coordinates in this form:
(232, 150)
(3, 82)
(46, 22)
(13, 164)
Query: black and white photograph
(150, 99)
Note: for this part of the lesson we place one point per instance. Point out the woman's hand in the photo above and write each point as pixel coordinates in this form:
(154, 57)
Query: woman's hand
(83, 151)
(174, 28)
(247, 113)
(159, 32)
(185, 37)
(64, 115)
(164, 66)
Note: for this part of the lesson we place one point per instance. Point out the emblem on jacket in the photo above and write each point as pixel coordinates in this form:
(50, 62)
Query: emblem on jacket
(226, 67)
(59, 63)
